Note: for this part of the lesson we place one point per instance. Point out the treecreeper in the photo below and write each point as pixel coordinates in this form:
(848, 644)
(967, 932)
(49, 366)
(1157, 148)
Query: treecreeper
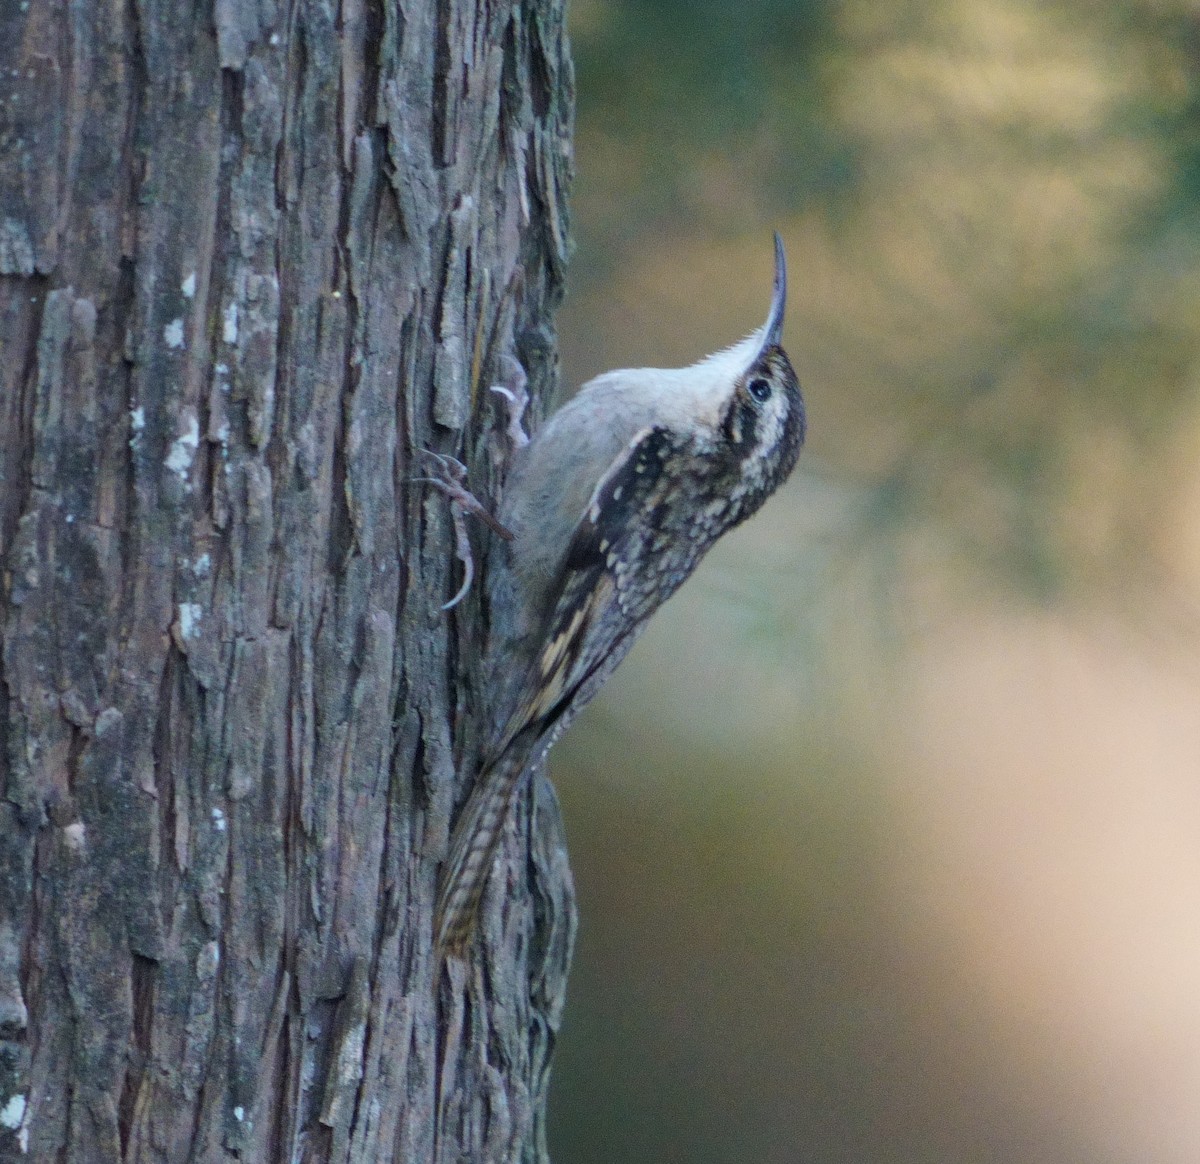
(606, 511)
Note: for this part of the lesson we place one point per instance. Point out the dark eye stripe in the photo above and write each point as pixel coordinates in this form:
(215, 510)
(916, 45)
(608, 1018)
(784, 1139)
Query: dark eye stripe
(741, 424)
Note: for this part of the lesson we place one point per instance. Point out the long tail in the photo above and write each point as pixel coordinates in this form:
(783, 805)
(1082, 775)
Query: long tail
(472, 851)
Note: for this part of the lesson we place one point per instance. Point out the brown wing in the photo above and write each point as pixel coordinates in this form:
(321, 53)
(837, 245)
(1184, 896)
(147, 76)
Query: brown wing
(601, 608)
(619, 566)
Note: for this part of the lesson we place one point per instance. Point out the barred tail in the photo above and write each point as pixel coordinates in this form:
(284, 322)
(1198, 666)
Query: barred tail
(472, 851)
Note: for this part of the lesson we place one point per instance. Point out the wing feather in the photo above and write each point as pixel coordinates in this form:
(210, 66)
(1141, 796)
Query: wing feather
(596, 618)
(601, 596)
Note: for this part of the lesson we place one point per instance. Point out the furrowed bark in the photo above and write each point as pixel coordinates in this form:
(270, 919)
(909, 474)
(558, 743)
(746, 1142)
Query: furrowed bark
(253, 257)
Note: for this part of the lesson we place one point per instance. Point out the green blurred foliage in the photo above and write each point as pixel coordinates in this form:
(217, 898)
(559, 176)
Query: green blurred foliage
(1009, 193)
(992, 212)
(671, 86)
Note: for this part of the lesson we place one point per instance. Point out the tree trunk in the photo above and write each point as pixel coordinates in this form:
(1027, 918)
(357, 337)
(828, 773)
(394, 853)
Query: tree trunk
(252, 257)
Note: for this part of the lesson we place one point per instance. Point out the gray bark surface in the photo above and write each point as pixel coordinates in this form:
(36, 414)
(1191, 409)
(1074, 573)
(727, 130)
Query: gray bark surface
(252, 257)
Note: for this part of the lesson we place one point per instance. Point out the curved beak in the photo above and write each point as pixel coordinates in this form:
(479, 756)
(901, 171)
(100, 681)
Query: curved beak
(773, 331)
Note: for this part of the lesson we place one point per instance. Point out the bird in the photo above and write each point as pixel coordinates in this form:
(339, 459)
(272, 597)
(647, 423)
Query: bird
(610, 505)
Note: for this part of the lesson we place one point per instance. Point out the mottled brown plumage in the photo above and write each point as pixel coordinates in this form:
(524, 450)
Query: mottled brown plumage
(613, 504)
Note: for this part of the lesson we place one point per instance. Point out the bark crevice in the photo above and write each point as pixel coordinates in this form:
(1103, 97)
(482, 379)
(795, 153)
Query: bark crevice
(248, 270)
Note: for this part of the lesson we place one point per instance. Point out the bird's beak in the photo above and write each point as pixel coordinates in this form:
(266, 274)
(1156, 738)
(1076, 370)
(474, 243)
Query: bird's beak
(773, 331)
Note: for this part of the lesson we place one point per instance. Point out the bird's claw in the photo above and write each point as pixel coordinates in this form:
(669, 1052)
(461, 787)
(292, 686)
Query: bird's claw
(449, 475)
(513, 391)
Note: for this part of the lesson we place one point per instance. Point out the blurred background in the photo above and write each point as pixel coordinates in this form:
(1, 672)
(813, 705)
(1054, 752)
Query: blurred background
(887, 835)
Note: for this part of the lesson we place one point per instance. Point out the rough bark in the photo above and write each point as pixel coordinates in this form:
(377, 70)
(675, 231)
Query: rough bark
(252, 256)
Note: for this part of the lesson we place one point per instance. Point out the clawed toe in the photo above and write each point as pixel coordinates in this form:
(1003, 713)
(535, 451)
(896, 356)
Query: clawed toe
(449, 475)
(514, 393)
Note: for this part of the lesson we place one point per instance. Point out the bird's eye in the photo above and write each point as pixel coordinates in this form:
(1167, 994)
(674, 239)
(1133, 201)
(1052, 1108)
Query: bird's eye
(759, 388)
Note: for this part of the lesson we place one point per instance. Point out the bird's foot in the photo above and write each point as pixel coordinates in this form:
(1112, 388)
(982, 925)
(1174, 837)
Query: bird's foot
(449, 475)
(513, 391)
